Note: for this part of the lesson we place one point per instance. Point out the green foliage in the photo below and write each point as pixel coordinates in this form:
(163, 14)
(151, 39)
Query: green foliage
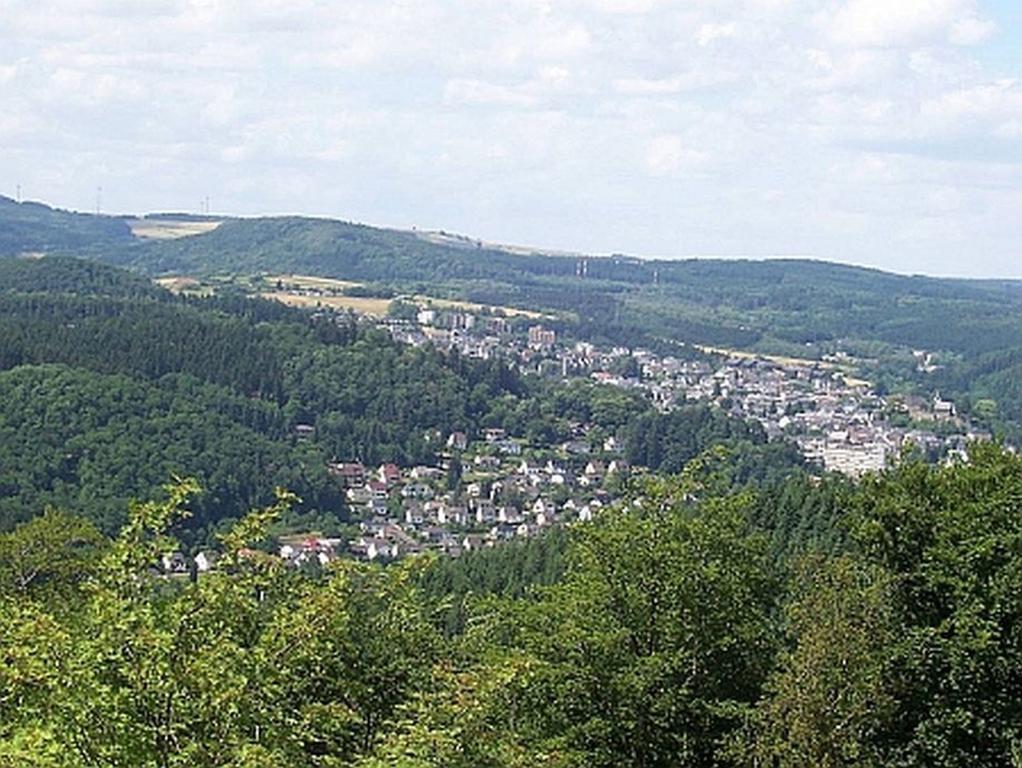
(907, 653)
(803, 514)
(48, 557)
(139, 338)
(655, 642)
(58, 274)
(666, 442)
(660, 640)
(461, 719)
(952, 540)
(251, 665)
(376, 400)
(88, 443)
(830, 695)
(510, 570)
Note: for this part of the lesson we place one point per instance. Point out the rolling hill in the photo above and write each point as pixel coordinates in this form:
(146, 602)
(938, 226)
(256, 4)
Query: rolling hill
(29, 228)
(972, 329)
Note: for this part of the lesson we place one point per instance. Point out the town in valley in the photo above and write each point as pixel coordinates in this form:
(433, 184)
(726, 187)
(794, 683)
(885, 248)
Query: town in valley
(492, 487)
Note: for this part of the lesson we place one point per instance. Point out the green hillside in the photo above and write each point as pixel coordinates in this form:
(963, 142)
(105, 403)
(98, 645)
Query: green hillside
(31, 227)
(972, 329)
(88, 443)
(760, 304)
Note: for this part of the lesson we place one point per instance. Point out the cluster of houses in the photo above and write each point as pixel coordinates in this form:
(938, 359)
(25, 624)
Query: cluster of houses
(497, 495)
(835, 419)
(504, 489)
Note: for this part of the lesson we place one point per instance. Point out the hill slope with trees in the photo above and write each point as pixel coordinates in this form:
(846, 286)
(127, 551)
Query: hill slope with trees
(109, 386)
(29, 227)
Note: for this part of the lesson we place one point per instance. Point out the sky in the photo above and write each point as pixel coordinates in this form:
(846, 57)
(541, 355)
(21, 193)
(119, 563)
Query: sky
(885, 133)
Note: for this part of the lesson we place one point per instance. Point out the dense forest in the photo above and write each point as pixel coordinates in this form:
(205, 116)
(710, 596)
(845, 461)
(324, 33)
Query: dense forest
(665, 633)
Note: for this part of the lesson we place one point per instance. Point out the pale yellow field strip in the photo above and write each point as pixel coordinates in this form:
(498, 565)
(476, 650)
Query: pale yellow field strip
(470, 306)
(332, 295)
(366, 306)
(326, 283)
(779, 359)
(170, 229)
(184, 285)
(175, 283)
(309, 281)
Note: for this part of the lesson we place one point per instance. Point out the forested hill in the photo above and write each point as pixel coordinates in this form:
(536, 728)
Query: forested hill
(971, 330)
(332, 249)
(762, 304)
(759, 298)
(778, 305)
(61, 274)
(36, 228)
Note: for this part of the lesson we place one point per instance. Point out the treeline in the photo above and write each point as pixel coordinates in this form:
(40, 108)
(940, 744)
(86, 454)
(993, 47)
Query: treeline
(57, 274)
(141, 338)
(662, 634)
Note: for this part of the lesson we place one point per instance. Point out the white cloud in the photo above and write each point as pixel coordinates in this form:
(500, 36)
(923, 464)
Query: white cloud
(627, 6)
(669, 154)
(91, 89)
(709, 33)
(971, 30)
(756, 126)
(845, 69)
(479, 92)
(897, 23)
(992, 107)
(641, 86)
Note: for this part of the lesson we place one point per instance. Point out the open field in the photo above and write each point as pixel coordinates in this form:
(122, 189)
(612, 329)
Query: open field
(311, 282)
(472, 307)
(184, 285)
(367, 306)
(169, 229)
(779, 359)
(310, 291)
